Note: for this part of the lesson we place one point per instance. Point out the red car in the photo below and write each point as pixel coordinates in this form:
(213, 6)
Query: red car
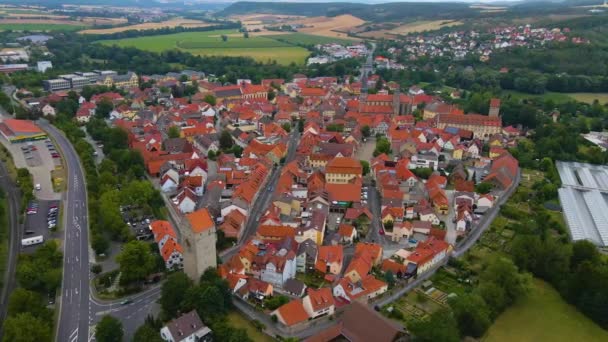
(33, 148)
(381, 231)
(55, 155)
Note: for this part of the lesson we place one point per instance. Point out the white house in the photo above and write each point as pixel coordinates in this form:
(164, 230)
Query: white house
(169, 181)
(185, 200)
(278, 269)
(186, 328)
(48, 110)
(485, 201)
(319, 302)
(428, 215)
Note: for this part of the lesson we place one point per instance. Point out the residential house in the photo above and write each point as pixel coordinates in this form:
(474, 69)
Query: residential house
(363, 290)
(330, 259)
(428, 254)
(186, 328)
(347, 233)
(319, 302)
(291, 313)
(306, 257)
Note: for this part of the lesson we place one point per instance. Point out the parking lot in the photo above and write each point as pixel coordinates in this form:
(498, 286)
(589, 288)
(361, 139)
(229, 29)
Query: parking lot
(137, 221)
(37, 156)
(37, 223)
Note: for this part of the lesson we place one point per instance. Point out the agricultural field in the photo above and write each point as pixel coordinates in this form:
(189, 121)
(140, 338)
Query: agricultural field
(334, 27)
(309, 39)
(41, 26)
(407, 28)
(149, 26)
(211, 43)
(543, 316)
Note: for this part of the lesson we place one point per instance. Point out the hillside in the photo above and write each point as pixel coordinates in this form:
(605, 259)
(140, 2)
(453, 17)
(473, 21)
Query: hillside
(369, 12)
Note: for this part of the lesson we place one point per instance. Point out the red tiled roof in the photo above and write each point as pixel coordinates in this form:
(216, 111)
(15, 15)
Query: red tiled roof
(293, 312)
(320, 299)
(200, 220)
(22, 126)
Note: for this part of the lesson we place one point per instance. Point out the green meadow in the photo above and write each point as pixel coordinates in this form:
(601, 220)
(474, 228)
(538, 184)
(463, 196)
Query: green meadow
(261, 48)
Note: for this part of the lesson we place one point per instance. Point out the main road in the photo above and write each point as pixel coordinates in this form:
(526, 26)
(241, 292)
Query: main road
(12, 194)
(74, 300)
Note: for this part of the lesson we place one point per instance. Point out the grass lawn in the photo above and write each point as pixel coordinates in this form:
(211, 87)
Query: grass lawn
(210, 43)
(309, 39)
(555, 97)
(590, 97)
(237, 320)
(543, 316)
(41, 27)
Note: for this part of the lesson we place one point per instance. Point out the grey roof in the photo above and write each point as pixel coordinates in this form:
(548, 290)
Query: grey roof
(187, 325)
(294, 286)
(309, 247)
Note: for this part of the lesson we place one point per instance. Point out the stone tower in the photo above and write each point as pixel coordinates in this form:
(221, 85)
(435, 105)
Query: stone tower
(397, 102)
(198, 241)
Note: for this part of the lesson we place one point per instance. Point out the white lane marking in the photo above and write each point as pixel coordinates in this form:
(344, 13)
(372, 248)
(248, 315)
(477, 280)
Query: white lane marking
(74, 333)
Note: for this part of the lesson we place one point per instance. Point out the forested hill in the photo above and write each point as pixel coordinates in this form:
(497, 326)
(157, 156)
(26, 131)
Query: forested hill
(370, 12)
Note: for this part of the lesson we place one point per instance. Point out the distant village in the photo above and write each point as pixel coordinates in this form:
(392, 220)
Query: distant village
(293, 173)
(460, 44)
(335, 52)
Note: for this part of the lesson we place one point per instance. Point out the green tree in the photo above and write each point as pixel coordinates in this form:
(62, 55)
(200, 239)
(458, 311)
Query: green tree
(366, 131)
(24, 327)
(286, 127)
(104, 107)
(224, 38)
(382, 146)
(136, 261)
(483, 188)
(365, 166)
(173, 292)
(471, 313)
(109, 329)
(22, 300)
(173, 132)
(146, 333)
(206, 300)
(440, 327)
(210, 99)
(276, 302)
(226, 140)
(501, 284)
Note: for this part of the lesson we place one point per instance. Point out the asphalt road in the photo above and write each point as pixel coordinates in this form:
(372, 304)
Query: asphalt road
(74, 299)
(262, 202)
(373, 235)
(12, 193)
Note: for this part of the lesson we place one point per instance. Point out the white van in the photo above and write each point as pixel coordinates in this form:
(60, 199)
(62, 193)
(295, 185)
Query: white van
(38, 187)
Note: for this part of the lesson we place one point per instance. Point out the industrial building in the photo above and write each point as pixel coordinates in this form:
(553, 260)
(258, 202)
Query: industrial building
(21, 130)
(584, 199)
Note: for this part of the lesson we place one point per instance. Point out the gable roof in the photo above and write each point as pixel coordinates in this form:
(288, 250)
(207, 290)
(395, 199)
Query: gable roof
(293, 312)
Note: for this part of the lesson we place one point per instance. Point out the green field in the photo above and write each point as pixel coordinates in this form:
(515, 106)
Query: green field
(544, 316)
(237, 320)
(590, 97)
(41, 27)
(309, 39)
(210, 43)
